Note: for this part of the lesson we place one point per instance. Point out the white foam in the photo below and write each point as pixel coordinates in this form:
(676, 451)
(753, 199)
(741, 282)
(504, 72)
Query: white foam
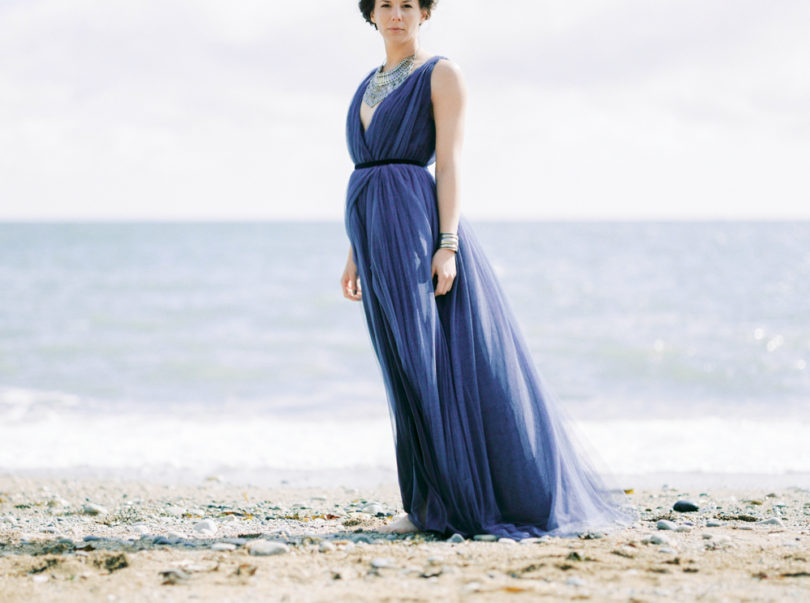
(211, 443)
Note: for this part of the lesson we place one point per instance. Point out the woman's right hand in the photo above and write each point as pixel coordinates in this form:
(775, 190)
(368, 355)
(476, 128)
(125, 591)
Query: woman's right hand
(350, 282)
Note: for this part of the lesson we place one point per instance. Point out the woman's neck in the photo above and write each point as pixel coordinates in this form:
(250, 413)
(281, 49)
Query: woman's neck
(394, 53)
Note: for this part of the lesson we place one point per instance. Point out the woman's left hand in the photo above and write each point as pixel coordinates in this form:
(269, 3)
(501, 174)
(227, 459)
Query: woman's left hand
(443, 267)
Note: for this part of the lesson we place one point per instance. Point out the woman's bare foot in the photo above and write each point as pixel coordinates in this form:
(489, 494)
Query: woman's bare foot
(401, 525)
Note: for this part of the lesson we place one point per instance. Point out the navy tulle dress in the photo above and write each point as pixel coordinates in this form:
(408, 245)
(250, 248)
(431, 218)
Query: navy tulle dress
(480, 445)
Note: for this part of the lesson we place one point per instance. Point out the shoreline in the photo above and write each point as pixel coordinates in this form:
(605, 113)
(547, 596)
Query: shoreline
(80, 539)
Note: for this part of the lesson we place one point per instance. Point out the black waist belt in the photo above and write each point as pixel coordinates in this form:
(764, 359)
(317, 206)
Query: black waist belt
(368, 164)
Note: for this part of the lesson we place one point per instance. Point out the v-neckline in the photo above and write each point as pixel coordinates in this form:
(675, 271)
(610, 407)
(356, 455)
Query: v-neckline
(363, 130)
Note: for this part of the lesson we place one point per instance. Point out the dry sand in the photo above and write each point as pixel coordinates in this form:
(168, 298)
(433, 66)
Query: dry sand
(154, 542)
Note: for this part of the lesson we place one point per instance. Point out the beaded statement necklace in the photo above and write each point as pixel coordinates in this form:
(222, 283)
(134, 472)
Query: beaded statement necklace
(384, 83)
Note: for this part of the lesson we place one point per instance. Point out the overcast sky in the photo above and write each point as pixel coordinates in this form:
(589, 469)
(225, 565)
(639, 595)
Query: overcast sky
(203, 109)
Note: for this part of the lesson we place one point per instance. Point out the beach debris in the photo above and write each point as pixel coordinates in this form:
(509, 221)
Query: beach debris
(265, 548)
(245, 569)
(456, 538)
(685, 506)
(93, 509)
(175, 575)
(112, 563)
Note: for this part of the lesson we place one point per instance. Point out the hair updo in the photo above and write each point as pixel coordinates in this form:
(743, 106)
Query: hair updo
(367, 7)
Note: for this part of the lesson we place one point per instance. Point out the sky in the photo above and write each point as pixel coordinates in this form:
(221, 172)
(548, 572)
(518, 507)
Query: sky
(214, 110)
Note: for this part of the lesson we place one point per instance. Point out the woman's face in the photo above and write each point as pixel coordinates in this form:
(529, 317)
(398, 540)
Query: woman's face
(398, 19)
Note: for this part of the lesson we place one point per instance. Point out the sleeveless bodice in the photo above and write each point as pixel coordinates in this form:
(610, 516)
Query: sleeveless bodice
(402, 125)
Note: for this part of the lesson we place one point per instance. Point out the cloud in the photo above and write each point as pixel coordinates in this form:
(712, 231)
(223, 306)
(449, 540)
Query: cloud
(214, 110)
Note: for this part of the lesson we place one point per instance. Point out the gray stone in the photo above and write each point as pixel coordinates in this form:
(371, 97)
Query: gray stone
(266, 547)
(456, 538)
(485, 537)
(381, 562)
(223, 546)
(772, 521)
(713, 523)
(94, 509)
(205, 528)
(685, 506)
(665, 524)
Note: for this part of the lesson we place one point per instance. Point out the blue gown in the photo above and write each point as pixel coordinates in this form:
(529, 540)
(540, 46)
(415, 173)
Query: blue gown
(481, 446)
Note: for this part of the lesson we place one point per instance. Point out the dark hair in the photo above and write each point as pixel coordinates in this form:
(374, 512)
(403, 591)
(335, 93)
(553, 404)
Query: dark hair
(367, 7)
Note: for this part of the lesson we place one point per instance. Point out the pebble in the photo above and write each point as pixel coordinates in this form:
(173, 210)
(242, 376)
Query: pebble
(667, 549)
(772, 521)
(223, 546)
(574, 581)
(266, 547)
(657, 539)
(435, 560)
(381, 562)
(326, 546)
(456, 538)
(685, 506)
(713, 523)
(506, 541)
(205, 528)
(665, 524)
(93, 509)
(485, 537)
(531, 540)
(373, 508)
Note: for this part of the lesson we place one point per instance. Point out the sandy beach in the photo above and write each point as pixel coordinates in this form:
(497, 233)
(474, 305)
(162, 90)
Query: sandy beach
(105, 540)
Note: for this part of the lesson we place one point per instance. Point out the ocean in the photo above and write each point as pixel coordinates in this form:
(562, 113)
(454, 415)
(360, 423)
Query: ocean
(182, 350)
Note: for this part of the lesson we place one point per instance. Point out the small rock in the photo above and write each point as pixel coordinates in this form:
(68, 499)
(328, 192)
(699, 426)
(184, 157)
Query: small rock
(657, 539)
(266, 547)
(93, 509)
(665, 524)
(381, 562)
(485, 537)
(326, 546)
(713, 523)
(531, 540)
(174, 576)
(456, 538)
(682, 528)
(373, 509)
(205, 528)
(435, 560)
(685, 506)
(772, 521)
(223, 546)
(667, 549)
(707, 536)
(506, 541)
(574, 581)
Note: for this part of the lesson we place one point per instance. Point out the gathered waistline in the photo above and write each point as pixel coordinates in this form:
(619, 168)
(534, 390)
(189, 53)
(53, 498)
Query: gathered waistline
(368, 164)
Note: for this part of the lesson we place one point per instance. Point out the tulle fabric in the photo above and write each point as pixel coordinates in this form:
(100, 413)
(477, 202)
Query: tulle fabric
(482, 447)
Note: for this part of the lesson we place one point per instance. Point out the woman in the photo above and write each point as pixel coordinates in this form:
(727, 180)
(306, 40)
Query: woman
(480, 446)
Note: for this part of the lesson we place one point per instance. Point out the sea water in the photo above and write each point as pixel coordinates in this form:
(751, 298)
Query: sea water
(198, 348)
